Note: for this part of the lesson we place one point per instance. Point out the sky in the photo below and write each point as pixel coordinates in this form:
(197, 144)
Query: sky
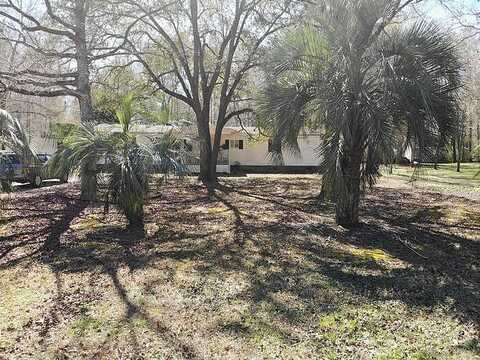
(435, 10)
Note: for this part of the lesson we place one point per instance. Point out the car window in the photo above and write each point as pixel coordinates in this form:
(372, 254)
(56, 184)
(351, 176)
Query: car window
(13, 159)
(43, 157)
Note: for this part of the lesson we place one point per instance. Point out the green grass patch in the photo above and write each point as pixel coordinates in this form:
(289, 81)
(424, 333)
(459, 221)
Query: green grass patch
(85, 324)
(91, 222)
(371, 254)
(445, 176)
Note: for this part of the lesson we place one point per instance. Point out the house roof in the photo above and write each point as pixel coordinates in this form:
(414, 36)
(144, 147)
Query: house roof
(151, 129)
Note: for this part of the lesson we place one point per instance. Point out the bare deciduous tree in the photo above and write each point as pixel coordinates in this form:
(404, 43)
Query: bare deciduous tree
(61, 42)
(195, 50)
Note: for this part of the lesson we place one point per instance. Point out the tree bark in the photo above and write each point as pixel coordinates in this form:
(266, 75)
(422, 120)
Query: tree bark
(437, 155)
(459, 153)
(89, 175)
(3, 100)
(212, 176)
(206, 175)
(88, 184)
(454, 151)
(348, 195)
(3, 105)
(347, 188)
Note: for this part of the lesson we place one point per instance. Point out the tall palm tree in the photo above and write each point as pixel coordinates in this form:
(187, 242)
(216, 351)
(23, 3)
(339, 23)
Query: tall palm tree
(369, 83)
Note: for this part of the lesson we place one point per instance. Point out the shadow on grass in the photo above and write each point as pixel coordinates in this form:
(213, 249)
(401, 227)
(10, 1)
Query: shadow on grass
(43, 239)
(307, 261)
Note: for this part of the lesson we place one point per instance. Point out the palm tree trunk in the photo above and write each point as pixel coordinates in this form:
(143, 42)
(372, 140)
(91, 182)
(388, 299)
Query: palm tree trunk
(136, 219)
(348, 197)
(88, 184)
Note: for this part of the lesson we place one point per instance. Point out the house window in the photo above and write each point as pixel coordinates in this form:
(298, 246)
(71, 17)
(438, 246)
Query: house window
(187, 146)
(226, 146)
(236, 144)
(270, 145)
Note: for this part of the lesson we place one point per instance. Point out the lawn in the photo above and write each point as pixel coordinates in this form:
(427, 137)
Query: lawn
(445, 179)
(263, 273)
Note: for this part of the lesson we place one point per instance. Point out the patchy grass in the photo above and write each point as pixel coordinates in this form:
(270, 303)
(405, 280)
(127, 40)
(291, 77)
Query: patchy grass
(92, 221)
(444, 179)
(372, 254)
(263, 273)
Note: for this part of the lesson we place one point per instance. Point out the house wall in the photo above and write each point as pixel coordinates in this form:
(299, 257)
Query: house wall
(255, 153)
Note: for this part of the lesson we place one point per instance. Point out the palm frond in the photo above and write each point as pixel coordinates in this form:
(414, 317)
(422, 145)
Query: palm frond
(15, 138)
(375, 90)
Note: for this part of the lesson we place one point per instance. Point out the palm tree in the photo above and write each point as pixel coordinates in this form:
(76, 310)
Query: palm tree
(127, 164)
(14, 137)
(370, 85)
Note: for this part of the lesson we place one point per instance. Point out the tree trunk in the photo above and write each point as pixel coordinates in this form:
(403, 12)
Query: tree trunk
(88, 184)
(437, 155)
(86, 106)
(3, 99)
(454, 151)
(89, 173)
(135, 216)
(459, 153)
(212, 175)
(348, 193)
(88, 177)
(470, 140)
(207, 175)
(3, 106)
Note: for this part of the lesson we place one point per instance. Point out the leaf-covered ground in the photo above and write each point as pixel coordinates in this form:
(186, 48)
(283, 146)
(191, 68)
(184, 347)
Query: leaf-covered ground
(261, 274)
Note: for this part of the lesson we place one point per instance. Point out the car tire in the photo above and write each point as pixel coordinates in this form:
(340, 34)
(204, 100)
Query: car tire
(37, 181)
(6, 185)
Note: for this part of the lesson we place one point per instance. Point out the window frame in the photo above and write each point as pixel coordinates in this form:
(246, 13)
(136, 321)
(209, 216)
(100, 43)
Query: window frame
(237, 144)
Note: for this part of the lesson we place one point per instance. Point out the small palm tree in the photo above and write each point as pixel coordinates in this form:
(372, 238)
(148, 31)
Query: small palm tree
(14, 137)
(127, 164)
(369, 84)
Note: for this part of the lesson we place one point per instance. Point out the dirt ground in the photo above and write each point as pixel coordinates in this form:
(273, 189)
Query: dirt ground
(263, 273)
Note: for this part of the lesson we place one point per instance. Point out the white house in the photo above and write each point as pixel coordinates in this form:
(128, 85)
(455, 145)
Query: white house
(249, 150)
(242, 148)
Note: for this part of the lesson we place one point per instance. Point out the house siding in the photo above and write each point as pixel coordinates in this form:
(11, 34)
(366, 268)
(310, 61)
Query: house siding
(255, 153)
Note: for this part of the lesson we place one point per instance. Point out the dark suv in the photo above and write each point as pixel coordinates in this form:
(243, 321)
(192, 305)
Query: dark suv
(13, 169)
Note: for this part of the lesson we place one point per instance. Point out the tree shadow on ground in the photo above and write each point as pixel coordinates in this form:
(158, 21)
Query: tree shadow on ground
(106, 251)
(447, 273)
(441, 264)
(46, 219)
(295, 252)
